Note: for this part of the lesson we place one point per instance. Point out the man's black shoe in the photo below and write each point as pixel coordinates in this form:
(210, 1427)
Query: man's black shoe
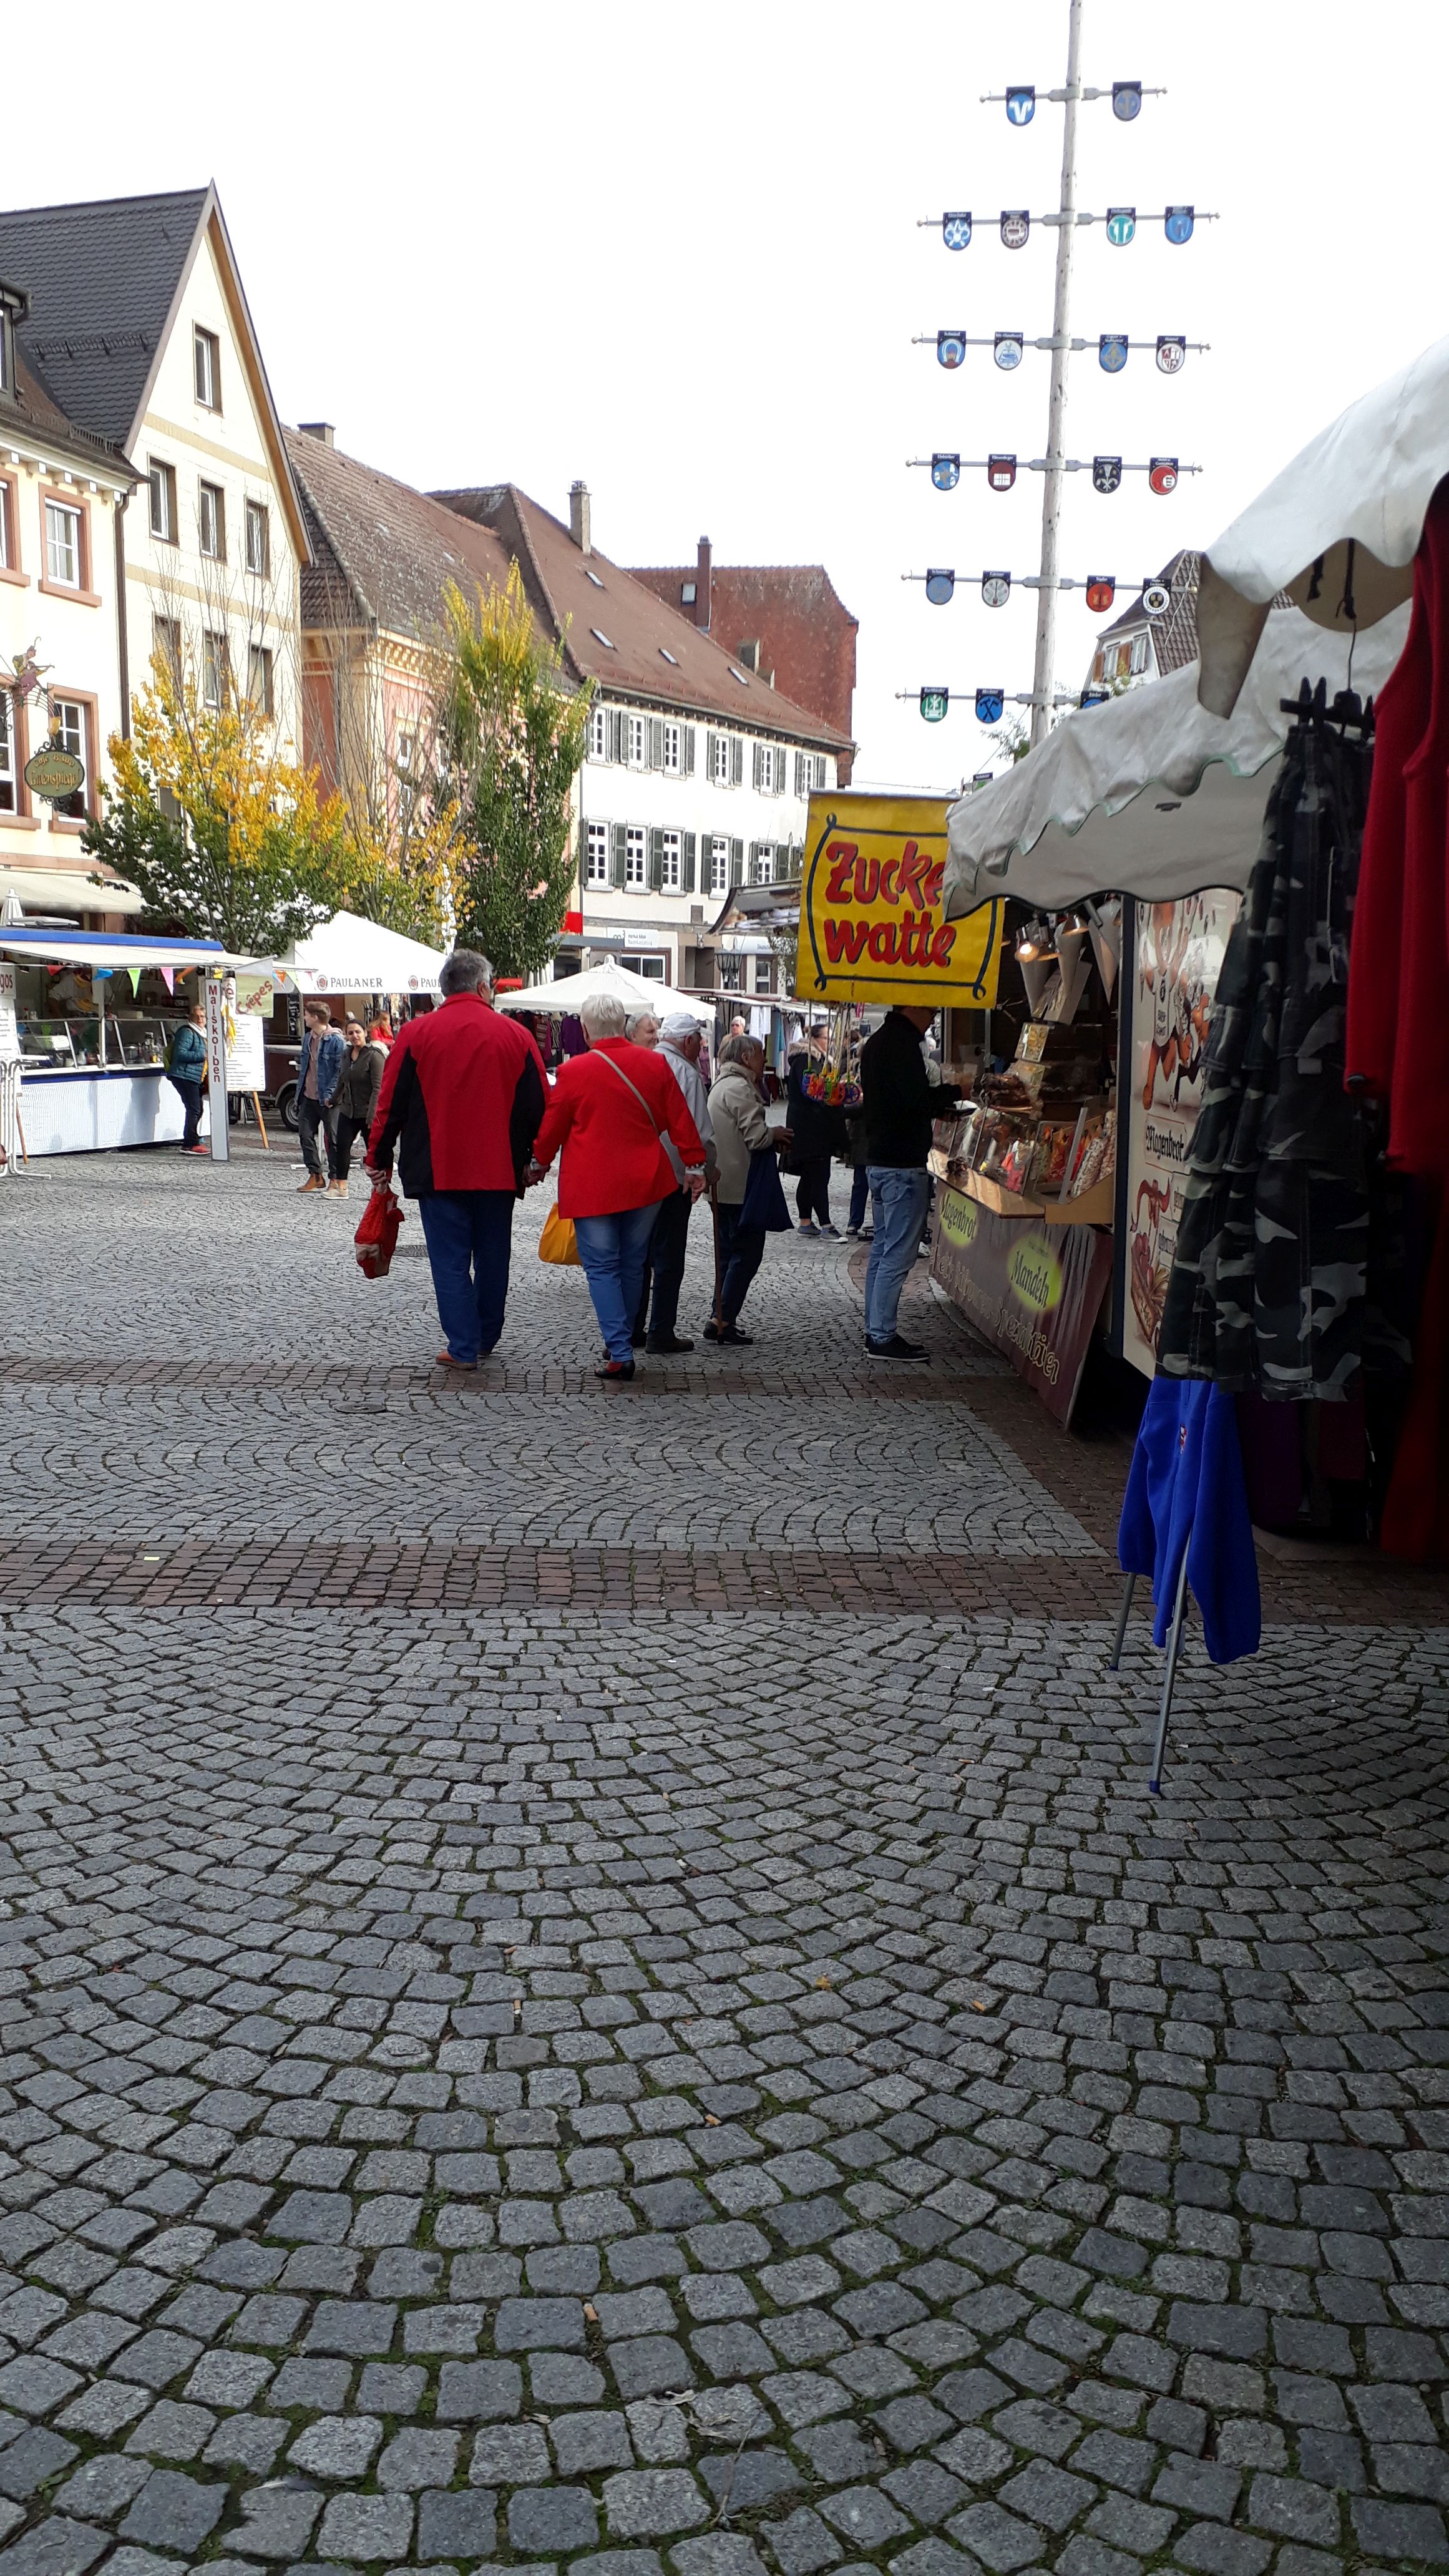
(897, 1348)
(667, 1347)
(732, 1333)
(711, 1331)
(616, 1372)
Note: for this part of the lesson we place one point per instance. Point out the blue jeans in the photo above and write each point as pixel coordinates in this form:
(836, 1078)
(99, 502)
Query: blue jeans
(189, 1094)
(898, 1201)
(613, 1251)
(468, 1235)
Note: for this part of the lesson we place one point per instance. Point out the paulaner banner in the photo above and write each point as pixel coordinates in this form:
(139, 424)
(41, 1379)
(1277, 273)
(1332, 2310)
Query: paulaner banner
(871, 925)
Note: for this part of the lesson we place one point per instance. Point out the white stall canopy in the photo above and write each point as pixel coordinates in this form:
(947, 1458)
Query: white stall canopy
(52, 890)
(350, 955)
(1151, 794)
(636, 992)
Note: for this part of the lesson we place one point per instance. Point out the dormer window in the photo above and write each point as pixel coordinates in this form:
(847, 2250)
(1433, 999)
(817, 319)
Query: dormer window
(14, 305)
(206, 355)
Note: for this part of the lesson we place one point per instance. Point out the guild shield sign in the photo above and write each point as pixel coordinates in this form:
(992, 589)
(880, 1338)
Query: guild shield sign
(1177, 223)
(1101, 591)
(945, 472)
(1020, 104)
(1171, 352)
(956, 231)
(1006, 348)
(996, 588)
(1094, 697)
(1121, 225)
(1112, 352)
(1156, 598)
(934, 703)
(1001, 472)
(1162, 474)
(1015, 228)
(950, 348)
(989, 705)
(940, 585)
(1106, 473)
(1126, 100)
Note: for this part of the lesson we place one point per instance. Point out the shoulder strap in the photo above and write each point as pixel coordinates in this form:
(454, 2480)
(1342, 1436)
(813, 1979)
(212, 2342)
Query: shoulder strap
(638, 1094)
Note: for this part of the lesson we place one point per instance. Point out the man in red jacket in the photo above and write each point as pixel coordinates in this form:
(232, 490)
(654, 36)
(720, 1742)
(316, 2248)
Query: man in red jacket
(463, 1096)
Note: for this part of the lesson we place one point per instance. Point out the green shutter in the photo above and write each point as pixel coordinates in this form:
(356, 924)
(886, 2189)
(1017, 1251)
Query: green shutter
(656, 860)
(759, 763)
(689, 850)
(710, 740)
(686, 751)
(616, 871)
(737, 863)
(737, 759)
(656, 742)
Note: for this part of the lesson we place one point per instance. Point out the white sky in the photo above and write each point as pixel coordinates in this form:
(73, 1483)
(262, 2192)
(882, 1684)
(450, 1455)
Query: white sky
(674, 250)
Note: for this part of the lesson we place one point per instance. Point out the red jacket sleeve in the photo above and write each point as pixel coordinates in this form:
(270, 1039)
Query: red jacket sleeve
(558, 1118)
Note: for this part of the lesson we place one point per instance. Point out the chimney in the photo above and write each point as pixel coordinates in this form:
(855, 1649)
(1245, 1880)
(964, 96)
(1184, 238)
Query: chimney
(319, 429)
(580, 518)
(702, 585)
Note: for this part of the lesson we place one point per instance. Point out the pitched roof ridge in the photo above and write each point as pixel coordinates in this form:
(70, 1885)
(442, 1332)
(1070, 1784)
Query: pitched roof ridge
(562, 627)
(100, 205)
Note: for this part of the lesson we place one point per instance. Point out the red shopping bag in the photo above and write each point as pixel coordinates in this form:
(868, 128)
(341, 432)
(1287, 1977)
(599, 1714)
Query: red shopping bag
(376, 1236)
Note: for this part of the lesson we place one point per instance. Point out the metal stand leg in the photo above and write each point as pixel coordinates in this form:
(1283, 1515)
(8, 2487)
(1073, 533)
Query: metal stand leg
(1115, 1657)
(1174, 1646)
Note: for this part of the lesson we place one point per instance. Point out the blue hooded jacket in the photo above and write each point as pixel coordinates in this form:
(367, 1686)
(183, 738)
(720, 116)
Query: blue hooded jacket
(1185, 1489)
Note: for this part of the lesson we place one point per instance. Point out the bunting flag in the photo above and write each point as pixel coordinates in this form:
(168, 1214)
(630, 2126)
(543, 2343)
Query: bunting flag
(945, 472)
(1156, 598)
(950, 347)
(1112, 352)
(1121, 225)
(996, 588)
(1171, 352)
(1001, 472)
(168, 978)
(1177, 223)
(1106, 473)
(934, 703)
(1020, 104)
(1101, 591)
(1015, 228)
(1126, 100)
(1162, 474)
(940, 586)
(1094, 697)
(956, 231)
(133, 978)
(1006, 348)
(989, 705)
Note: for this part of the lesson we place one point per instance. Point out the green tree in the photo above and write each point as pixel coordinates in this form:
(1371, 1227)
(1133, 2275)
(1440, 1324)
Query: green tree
(506, 746)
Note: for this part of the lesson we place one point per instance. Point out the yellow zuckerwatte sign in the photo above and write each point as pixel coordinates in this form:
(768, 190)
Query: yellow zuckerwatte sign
(871, 924)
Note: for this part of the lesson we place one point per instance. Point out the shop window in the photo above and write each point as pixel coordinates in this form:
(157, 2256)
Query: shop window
(9, 791)
(64, 558)
(652, 967)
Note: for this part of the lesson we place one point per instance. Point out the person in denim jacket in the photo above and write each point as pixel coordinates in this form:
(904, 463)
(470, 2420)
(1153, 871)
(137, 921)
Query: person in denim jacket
(319, 1071)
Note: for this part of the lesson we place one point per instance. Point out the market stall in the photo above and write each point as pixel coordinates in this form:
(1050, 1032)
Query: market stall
(637, 992)
(85, 1022)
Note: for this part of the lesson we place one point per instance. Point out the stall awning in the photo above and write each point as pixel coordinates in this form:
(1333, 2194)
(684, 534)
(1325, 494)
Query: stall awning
(52, 890)
(636, 992)
(350, 955)
(108, 948)
(1151, 795)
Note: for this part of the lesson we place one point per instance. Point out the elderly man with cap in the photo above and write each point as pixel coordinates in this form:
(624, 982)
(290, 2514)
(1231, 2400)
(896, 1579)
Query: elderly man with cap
(680, 1044)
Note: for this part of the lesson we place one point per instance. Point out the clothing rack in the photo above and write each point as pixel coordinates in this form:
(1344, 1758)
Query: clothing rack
(1348, 712)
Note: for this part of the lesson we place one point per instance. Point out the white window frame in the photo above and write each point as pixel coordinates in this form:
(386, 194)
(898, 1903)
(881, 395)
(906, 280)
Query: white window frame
(598, 733)
(1137, 660)
(64, 545)
(764, 981)
(671, 863)
(672, 761)
(258, 557)
(719, 775)
(653, 967)
(636, 741)
(596, 855)
(9, 784)
(719, 864)
(7, 529)
(215, 660)
(211, 503)
(206, 367)
(765, 864)
(260, 668)
(68, 733)
(162, 479)
(636, 858)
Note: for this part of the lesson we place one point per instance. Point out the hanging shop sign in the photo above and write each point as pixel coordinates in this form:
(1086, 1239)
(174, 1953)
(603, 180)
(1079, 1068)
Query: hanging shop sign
(54, 773)
(1112, 352)
(1177, 223)
(1006, 348)
(1094, 697)
(990, 704)
(1162, 474)
(951, 348)
(945, 472)
(1156, 598)
(956, 231)
(1106, 473)
(1001, 472)
(1015, 228)
(1126, 99)
(934, 703)
(1177, 956)
(996, 588)
(1034, 1291)
(1101, 591)
(871, 923)
(1121, 226)
(940, 586)
(1021, 104)
(1171, 352)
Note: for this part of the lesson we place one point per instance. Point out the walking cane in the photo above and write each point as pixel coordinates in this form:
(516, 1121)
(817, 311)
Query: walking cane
(712, 1185)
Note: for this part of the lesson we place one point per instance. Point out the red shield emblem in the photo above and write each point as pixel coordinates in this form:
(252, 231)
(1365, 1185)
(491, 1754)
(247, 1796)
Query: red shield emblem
(1101, 591)
(1001, 472)
(1162, 474)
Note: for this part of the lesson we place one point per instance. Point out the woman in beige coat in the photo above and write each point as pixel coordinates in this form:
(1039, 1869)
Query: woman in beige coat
(737, 1114)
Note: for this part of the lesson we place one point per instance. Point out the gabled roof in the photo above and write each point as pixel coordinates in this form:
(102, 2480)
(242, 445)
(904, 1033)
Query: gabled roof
(746, 589)
(30, 413)
(105, 279)
(1174, 634)
(381, 552)
(616, 631)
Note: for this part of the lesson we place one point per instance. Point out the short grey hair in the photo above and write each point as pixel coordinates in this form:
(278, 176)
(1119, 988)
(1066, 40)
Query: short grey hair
(735, 1050)
(604, 1015)
(647, 1013)
(464, 971)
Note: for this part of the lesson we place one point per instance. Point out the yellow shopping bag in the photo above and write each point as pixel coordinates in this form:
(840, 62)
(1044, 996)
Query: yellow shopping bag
(557, 1241)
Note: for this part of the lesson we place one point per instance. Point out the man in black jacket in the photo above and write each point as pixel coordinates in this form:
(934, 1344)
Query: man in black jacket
(900, 1104)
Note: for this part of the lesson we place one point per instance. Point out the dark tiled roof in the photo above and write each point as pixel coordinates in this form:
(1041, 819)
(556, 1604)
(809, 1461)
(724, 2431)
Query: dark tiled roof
(753, 588)
(1174, 634)
(382, 553)
(102, 279)
(641, 628)
(31, 413)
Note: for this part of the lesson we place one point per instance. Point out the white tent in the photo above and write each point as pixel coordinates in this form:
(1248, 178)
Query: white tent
(636, 992)
(350, 955)
(1151, 794)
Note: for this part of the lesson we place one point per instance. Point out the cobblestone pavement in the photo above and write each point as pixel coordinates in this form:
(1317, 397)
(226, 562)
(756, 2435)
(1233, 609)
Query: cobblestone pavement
(718, 2068)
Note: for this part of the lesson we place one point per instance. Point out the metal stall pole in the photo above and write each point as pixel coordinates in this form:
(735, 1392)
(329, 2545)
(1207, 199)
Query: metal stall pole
(1043, 686)
(1115, 1657)
(1174, 1645)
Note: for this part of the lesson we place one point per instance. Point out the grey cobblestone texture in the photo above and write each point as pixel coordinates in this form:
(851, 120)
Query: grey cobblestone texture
(696, 2094)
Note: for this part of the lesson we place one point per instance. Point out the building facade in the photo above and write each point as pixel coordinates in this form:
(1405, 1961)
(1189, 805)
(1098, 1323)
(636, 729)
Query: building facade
(786, 621)
(1137, 647)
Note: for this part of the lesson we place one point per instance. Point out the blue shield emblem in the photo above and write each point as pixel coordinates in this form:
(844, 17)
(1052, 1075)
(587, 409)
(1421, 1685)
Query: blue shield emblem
(1106, 473)
(1015, 228)
(940, 585)
(1094, 697)
(956, 231)
(1126, 100)
(1020, 104)
(1171, 352)
(996, 588)
(1006, 348)
(950, 348)
(1121, 225)
(1177, 223)
(989, 705)
(945, 472)
(1001, 472)
(934, 703)
(1112, 352)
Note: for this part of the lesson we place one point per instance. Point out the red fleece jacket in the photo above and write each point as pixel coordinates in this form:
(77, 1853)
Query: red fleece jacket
(462, 1095)
(612, 1157)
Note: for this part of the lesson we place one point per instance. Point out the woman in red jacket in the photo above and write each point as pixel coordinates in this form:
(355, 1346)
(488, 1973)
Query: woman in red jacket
(610, 1111)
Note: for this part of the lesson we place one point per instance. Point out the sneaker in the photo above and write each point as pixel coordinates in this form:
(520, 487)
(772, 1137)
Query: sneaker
(897, 1348)
(802, 1228)
(337, 1189)
(667, 1347)
(732, 1333)
(445, 1359)
(711, 1331)
(616, 1372)
(197, 1149)
(831, 1233)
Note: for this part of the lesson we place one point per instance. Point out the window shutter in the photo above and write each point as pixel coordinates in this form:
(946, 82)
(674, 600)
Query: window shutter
(656, 860)
(710, 740)
(800, 788)
(759, 768)
(689, 850)
(616, 872)
(737, 863)
(737, 759)
(656, 742)
(618, 742)
(686, 751)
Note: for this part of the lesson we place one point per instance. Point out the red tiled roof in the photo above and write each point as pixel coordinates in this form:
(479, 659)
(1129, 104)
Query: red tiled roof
(793, 612)
(382, 553)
